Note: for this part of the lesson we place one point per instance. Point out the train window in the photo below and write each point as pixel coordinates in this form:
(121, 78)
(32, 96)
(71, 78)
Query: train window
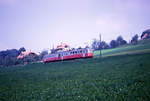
(75, 52)
(80, 51)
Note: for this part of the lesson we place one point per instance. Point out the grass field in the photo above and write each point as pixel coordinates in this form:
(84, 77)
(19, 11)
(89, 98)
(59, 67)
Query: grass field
(142, 46)
(114, 78)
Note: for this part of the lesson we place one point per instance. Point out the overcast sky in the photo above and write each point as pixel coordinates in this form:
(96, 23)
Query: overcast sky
(39, 24)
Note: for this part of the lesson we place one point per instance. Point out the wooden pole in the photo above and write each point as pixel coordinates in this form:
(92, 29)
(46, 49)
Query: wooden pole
(100, 46)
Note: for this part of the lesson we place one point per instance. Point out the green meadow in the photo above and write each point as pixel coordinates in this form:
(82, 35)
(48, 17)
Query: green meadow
(142, 46)
(121, 74)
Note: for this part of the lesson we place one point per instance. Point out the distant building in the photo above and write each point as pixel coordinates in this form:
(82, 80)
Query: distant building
(146, 34)
(26, 53)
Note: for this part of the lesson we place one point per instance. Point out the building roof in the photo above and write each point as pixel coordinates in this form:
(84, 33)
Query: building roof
(23, 54)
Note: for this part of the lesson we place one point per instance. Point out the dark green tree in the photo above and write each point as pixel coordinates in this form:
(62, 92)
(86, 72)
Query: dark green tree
(134, 39)
(113, 44)
(121, 41)
(104, 45)
(22, 49)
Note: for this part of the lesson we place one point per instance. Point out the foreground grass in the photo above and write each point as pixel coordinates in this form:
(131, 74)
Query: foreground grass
(117, 78)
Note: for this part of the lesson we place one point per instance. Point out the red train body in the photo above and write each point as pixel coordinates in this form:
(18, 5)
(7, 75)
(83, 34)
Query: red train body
(67, 55)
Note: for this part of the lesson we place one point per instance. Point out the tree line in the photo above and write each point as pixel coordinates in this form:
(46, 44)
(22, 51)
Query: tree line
(97, 45)
(119, 41)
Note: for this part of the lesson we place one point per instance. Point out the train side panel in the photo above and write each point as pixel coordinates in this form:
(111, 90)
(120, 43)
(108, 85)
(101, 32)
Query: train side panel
(74, 54)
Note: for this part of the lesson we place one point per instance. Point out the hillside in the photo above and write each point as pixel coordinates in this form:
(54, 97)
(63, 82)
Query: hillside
(119, 77)
(143, 46)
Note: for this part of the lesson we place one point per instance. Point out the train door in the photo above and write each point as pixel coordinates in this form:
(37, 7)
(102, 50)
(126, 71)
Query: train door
(59, 56)
(83, 52)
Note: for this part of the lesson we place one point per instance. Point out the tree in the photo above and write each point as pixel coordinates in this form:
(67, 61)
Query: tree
(104, 45)
(1, 61)
(22, 49)
(43, 53)
(121, 41)
(134, 39)
(113, 44)
(8, 57)
(9, 61)
(95, 44)
(13, 52)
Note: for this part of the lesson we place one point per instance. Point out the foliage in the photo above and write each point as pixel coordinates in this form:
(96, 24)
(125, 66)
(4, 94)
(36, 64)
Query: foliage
(22, 49)
(43, 53)
(118, 42)
(11, 53)
(134, 39)
(121, 41)
(96, 45)
(10, 61)
(8, 57)
(114, 44)
(104, 45)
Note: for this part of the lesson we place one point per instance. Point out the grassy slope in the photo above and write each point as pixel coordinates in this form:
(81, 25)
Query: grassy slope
(116, 78)
(142, 46)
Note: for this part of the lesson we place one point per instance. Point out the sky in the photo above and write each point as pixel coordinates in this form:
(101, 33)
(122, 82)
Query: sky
(42, 24)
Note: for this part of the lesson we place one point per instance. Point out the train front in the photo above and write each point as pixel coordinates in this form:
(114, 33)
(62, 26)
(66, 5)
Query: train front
(89, 53)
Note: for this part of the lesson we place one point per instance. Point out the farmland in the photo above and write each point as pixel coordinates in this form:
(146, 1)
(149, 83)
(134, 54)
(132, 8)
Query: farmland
(113, 77)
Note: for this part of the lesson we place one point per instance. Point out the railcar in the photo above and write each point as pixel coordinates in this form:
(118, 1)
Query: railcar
(68, 55)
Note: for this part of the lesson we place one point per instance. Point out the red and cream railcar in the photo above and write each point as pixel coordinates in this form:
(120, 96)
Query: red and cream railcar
(67, 55)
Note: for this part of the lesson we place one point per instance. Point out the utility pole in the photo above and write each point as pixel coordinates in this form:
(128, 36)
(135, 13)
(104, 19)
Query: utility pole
(100, 54)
